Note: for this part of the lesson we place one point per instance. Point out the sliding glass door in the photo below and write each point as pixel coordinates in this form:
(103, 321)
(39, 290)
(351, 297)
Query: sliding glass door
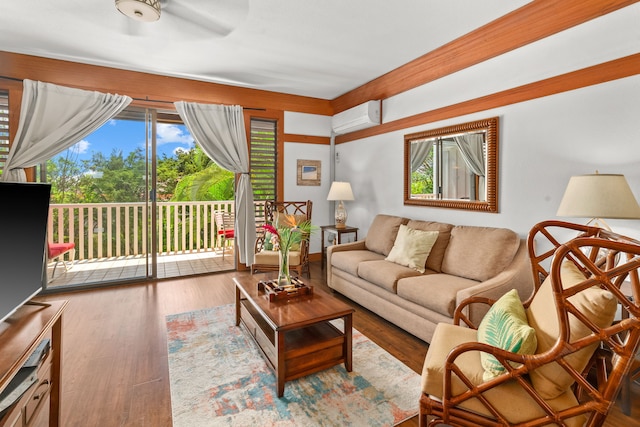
(138, 199)
(190, 190)
(100, 202)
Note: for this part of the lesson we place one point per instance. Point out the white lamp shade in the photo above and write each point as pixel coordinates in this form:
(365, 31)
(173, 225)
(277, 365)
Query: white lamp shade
(340, 190)
(599, 196)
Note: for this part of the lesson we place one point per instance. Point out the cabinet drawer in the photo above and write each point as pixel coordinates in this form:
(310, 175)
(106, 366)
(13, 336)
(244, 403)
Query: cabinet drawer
(39, 392)
(13, 418)
(38, 399)
(248, 320)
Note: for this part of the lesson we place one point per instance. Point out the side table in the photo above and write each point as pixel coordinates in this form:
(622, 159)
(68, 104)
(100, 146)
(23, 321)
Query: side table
(332, 229)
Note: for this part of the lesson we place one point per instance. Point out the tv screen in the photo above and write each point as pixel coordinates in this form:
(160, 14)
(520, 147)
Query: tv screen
(24, 210)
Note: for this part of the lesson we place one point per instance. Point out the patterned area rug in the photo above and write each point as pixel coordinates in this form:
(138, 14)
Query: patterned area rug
(219, 378)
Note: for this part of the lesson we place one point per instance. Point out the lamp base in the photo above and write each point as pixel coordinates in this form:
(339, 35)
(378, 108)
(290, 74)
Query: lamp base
(341, 215)
(600, 223)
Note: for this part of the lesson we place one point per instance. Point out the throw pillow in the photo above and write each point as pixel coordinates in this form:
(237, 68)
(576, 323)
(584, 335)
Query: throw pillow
(505, 326)
(412, 247)
(596, 304)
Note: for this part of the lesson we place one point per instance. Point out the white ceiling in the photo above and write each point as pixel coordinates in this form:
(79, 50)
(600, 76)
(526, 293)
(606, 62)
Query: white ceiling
(318, 48)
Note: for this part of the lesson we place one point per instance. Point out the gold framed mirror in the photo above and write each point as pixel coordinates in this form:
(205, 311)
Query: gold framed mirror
(453, 167)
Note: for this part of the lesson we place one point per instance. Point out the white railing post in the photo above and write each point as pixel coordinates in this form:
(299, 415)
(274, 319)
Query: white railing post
(105, 230)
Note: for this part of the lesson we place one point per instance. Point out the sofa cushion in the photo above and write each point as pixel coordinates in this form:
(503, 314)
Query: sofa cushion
(521, 407)
(505, 326)
(412, 247)
(437, 292)
(384, 273)
(598, 305)
(382, 233)
(479, 253)
(349, 260)
(434, 261)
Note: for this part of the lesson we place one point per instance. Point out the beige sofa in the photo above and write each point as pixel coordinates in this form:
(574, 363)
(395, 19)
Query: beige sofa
(464, 261)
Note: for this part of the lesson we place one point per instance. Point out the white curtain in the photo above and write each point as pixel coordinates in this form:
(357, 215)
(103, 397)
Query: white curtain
(419, 152)
(472, 148)
(219, 131)
(52, 119)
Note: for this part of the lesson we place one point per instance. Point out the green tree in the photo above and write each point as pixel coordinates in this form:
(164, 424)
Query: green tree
(192, 175)
(422, 178)
(212, 183)
(116, 178)
(65, 174)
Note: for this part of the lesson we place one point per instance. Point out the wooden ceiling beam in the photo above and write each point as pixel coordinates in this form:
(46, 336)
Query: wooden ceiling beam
(152, 86)
(533, 21)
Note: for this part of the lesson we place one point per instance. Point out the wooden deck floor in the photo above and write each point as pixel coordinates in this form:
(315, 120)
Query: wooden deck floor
(87, 272)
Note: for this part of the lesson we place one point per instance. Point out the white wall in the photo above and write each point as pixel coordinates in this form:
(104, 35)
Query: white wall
(308, 124)
(543, 142)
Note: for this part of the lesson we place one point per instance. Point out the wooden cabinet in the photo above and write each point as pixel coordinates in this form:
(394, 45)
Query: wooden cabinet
(20, 336)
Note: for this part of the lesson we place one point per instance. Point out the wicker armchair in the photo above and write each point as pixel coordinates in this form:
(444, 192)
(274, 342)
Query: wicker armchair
(267, 260)
(577, 370)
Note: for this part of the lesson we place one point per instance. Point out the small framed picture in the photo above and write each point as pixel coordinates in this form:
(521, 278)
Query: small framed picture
(309, 172)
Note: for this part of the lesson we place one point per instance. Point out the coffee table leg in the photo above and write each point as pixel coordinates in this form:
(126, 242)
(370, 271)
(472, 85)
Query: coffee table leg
(348, 323)
(280, 368)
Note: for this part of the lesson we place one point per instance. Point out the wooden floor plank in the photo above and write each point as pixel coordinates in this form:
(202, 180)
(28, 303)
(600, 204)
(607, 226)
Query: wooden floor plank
(115, 369)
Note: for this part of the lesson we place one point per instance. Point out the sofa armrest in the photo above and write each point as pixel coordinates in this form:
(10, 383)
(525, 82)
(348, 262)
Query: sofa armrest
(351, 246)
(516, 276)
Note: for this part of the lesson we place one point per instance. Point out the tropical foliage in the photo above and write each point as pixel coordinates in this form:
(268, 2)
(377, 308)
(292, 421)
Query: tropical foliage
(191, 175)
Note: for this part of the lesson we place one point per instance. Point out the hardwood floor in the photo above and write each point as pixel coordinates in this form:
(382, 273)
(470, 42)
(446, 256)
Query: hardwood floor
(115, 369)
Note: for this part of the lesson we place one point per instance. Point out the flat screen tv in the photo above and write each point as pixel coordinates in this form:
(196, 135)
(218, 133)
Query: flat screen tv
(24, 210)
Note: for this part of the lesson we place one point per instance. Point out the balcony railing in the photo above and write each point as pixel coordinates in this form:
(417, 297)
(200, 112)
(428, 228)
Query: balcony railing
(106, 230)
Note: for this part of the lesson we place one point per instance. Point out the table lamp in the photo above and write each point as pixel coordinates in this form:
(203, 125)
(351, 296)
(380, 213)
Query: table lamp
(599, 196)
(340, 191)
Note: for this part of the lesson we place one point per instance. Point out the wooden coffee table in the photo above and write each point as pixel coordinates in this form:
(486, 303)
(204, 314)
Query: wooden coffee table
(294, 334)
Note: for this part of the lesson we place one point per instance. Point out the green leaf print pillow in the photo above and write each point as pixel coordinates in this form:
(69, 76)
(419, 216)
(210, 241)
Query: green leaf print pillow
(505, 326)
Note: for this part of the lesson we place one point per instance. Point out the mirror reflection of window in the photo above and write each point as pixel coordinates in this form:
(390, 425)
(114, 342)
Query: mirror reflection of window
(453, 167)
(449, 168)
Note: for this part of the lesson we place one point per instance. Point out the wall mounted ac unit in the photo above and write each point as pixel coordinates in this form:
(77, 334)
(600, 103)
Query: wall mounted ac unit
(356, 118)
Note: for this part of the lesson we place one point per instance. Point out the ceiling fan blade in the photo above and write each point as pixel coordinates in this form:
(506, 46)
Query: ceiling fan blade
(203, 18)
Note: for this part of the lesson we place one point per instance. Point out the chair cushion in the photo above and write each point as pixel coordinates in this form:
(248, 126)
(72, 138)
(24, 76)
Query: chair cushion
(411, 247)
(434, 260)
(54, 250)
(226, 233)
(514, 402)
(382, 233)
(505, 326)
(598, 305)
(479, 253)
(265, 257)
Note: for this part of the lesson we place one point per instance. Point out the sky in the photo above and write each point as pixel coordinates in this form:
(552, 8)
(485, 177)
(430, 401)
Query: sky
(127, 135)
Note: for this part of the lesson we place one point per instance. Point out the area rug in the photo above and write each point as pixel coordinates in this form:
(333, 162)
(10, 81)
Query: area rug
(219, 378)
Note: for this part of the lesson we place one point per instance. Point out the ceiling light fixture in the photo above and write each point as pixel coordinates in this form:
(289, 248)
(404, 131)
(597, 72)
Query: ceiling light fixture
(140, 10)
